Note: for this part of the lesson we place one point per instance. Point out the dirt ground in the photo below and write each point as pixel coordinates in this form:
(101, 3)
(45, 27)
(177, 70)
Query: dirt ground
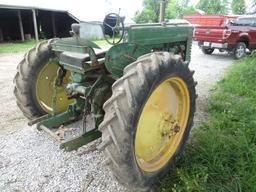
(31, 161)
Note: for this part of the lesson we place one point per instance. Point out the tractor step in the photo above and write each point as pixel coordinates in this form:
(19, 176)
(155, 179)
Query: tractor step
(72, 136)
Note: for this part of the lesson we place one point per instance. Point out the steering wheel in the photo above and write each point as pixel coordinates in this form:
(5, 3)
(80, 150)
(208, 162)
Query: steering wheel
(113, 26)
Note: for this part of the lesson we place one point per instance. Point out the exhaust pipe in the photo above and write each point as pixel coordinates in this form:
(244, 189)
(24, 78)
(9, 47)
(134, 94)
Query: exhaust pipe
(162, 11)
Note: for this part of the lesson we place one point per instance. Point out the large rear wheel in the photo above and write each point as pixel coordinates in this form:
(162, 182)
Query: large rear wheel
(148, 119)
(34, 82)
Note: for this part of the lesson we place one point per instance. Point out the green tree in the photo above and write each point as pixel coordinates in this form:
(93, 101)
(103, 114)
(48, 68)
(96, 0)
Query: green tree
(150, 12)
(179, 8)
(144, 16)
(174, 9)
(190, 10)
(213, 6)
(253, 7)
(238, 7)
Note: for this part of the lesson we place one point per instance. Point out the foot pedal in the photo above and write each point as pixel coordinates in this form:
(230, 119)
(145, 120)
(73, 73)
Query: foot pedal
(61, 133)
(51, 133)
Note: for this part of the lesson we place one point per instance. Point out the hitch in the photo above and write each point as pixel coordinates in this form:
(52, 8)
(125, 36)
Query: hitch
(53, 124)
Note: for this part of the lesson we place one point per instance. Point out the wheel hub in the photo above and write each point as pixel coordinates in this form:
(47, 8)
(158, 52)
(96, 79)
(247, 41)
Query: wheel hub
(240, 51)
(168, 125)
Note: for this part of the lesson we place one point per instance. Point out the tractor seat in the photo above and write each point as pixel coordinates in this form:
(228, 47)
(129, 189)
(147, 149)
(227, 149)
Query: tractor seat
(78, 59)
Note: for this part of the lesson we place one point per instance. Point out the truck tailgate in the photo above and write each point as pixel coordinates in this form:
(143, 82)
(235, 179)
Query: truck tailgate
(209, 33)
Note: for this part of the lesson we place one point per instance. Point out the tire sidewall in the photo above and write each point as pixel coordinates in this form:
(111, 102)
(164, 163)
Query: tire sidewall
(41, 59)
(157, 79)
(238, 45)
(207, 51)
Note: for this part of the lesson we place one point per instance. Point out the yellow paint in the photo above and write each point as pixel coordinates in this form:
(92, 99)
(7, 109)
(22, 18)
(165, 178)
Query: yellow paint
(162, 124)
(44, 89)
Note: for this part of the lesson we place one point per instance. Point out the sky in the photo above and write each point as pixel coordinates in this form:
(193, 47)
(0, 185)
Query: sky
(90, 10)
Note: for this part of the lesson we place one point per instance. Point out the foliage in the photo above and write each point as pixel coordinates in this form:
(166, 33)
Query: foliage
(190, 10)
(221, 154)
(185, 8)
(253, 6)
(238, 7)
(145, 16)
(178, 8)
(213, 6)
(174, 9)
(150, 13)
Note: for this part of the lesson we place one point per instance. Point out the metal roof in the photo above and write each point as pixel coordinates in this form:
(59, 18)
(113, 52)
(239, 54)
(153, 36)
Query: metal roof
(37, 8)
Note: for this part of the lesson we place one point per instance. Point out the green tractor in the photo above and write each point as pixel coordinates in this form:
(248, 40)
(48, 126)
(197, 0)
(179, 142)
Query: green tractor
(139, 94)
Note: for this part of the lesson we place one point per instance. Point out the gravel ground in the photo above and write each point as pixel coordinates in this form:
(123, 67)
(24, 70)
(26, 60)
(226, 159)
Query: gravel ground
(208, 70)
(31, 161)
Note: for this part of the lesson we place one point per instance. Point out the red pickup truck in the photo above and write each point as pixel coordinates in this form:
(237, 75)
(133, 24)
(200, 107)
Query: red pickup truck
(236, 36)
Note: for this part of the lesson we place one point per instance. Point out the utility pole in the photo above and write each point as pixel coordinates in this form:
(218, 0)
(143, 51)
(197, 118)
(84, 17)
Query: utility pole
(162, 11)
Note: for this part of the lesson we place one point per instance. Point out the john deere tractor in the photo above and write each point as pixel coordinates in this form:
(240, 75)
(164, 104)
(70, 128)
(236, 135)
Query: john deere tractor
(138, 95)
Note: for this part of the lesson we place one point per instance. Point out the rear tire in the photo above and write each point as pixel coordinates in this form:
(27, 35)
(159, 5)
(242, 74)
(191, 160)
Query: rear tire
(207, 51)
(124, 108)
(240, 50)
(26, 76)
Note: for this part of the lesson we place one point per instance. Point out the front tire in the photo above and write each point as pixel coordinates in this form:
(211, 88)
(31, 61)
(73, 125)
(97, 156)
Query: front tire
(207, 51)
(240, 50)
(128, 119)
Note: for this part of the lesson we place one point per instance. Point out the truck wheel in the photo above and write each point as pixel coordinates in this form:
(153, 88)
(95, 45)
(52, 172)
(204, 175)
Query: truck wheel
(148, 119)
(34, 82)
(240, 50)
(207, 51)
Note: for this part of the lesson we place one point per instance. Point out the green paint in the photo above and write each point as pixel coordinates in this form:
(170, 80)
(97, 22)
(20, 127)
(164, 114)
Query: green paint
(143, 39)
(73, 44)
(79, 141)
(119, 56)
(158, 34)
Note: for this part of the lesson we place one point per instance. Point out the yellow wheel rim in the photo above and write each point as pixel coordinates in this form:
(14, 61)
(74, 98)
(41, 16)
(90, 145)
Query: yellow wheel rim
(44, 89)
(162, 124)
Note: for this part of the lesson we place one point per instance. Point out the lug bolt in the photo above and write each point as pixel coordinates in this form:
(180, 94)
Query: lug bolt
(176, 129)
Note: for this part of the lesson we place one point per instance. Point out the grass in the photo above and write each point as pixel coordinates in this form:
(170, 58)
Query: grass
(101, 42)
(16, 47)
(221, 154)
(104, 43)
